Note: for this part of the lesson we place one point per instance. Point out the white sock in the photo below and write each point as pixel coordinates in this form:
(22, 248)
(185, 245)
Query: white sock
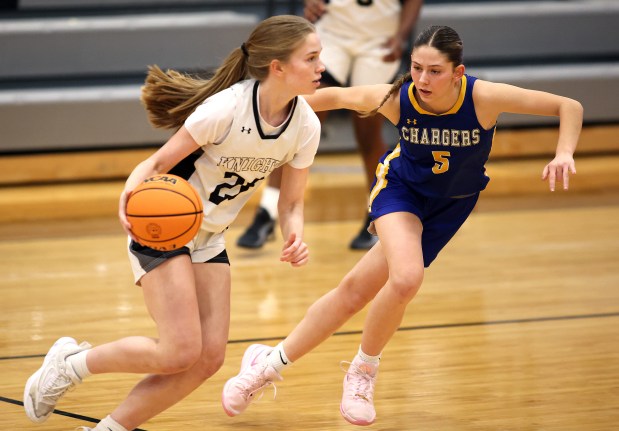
(78, 363)
(269, 199)
(367, 358)
(109, 424)
(278, 359)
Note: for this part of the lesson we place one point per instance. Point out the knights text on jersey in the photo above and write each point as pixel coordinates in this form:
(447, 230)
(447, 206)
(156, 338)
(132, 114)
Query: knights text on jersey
(443, 155)
(227, 173)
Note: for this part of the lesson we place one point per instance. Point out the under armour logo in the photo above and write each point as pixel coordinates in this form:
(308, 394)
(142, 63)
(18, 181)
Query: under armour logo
(414, 121)
(248, 130)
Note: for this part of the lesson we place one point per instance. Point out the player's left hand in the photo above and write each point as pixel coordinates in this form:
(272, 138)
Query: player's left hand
(559, 169)
(295, 251)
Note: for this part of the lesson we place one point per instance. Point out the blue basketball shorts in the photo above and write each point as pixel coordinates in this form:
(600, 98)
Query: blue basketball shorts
(441, 217)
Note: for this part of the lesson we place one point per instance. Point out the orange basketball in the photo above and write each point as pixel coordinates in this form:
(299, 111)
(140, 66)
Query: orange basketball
(165, 212)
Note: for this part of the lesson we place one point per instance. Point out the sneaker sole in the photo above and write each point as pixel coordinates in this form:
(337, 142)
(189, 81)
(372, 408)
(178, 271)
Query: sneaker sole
(28, 402)
(245, 363)
(350, 419)
(354, 421)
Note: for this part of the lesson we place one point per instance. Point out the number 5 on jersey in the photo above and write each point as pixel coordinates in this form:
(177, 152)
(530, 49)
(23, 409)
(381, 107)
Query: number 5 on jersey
(442, 161)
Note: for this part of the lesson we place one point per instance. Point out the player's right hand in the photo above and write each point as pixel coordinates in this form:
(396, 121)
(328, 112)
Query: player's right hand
(122, 213)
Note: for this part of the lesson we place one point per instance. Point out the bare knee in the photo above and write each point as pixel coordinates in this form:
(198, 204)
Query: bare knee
(180, 356)
(405, 284)
(355, 294)
(210, 361)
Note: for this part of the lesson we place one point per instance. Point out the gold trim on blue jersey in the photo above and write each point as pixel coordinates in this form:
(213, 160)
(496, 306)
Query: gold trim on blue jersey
(453, 109)
(381, 174)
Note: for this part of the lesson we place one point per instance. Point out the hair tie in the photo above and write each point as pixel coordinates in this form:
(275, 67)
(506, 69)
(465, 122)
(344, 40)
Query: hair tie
(244, 49)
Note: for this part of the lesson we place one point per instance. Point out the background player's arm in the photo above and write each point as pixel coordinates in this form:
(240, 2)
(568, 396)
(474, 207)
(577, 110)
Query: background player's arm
(408, 18)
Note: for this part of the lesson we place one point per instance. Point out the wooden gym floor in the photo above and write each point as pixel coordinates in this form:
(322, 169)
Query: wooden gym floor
(515, 328)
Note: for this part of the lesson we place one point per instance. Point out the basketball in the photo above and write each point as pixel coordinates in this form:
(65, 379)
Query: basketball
(165, 212)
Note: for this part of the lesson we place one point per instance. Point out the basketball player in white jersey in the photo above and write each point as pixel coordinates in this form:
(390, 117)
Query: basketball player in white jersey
(232, 131)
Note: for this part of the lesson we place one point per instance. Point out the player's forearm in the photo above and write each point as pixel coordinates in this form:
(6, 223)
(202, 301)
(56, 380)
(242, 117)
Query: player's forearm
(409, 15)
(291, 218)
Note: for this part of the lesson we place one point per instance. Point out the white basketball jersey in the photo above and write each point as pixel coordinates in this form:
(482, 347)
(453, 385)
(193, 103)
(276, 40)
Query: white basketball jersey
(361, 18)
(236, 154)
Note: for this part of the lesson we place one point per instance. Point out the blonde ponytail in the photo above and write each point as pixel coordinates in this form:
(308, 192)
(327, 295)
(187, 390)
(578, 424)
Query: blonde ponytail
(171, 96)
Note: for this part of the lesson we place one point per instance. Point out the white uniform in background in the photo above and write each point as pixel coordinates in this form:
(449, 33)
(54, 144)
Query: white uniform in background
(352, 33)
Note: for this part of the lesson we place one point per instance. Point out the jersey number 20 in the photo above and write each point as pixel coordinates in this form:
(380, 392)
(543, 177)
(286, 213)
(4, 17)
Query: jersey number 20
(226, 191)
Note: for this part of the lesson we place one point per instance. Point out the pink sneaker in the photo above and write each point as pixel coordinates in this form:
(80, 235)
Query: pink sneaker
(357, 405)
(255, 375)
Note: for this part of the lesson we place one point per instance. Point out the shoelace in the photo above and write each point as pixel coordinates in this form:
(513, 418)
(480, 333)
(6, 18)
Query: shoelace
(60, 384)
(362, 386)
(254, 381)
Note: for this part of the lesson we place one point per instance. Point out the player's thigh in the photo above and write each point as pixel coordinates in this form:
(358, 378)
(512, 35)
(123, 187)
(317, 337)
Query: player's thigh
(336, 57)
(368, 68)
(170, 297)
(400, 235)
(213, 283)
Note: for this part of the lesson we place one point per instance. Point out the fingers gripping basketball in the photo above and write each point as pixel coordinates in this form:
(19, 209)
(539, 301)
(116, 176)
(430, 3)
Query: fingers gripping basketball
(165, 212)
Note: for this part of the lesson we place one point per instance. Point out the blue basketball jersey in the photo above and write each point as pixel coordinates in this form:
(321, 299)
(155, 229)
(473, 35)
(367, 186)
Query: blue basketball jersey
(443, 155)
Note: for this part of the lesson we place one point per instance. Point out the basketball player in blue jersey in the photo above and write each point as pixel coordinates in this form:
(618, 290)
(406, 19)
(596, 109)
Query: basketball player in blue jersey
(424, 191)
(232, 131)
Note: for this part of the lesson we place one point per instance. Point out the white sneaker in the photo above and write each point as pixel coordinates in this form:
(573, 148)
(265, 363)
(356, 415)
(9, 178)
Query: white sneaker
(255, 374)
(45, 387)
(357, 405)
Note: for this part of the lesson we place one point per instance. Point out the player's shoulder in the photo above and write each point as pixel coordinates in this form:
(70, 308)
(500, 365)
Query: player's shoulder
(481, 87)
(488, 91)
(303, 105)
(306, 110)
(222, 103)
(240, 89)
(230, 98)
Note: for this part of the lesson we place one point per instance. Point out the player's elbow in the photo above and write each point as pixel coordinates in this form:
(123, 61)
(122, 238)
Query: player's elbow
(573, 108)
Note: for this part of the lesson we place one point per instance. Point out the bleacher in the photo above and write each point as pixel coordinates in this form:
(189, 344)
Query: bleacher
(73, 82)
(71, 71)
